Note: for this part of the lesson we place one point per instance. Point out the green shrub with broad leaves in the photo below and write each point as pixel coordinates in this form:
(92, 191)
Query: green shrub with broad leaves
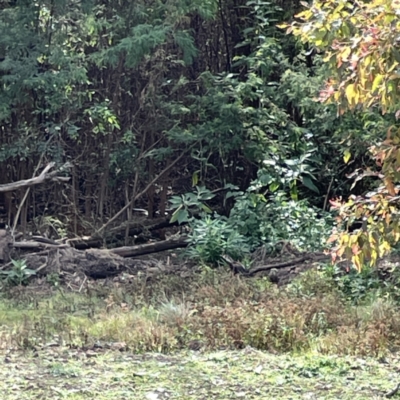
(212, 237)
(18, 275)
(271, 221)
(254, 221)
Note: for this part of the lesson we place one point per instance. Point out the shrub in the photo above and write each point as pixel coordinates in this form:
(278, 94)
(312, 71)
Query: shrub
(280, 220)
(211, 238)
(19, 274)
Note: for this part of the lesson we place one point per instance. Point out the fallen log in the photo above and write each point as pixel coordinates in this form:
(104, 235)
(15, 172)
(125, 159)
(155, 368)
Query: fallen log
(76, 266)
(41, 243)
(85, 243)
(133, 251)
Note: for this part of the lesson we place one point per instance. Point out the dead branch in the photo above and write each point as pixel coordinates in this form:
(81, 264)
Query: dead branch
(85, 243)
(238, 268)
(43, 177)
(393, 391)
(289, 263)
(134, 228)
(37, 245)
(284, 264)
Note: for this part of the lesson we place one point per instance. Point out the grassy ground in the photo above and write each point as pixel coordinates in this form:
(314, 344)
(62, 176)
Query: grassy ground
(209, 336)
(59, 373)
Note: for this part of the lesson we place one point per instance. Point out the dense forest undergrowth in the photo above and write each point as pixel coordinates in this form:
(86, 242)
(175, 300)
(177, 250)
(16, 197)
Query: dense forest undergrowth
(214, 126)
(172, 107)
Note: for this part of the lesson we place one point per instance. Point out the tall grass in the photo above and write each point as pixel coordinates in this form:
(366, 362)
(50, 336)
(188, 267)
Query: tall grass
(218, 311)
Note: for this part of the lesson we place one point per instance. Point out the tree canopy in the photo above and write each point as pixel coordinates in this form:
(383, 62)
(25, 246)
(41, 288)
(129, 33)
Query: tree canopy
(360, 42)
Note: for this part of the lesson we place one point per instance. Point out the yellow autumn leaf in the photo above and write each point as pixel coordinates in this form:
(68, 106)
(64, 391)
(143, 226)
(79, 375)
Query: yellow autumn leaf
(390, 186)
(377, 81)
(374, 258)
(357, 262)
(345, 53)
(346, 156)
(350, 93)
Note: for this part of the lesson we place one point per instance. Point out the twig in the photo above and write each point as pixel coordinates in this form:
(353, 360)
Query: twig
(38, 245)
(327, 195)
(83, 282)
(44, 265)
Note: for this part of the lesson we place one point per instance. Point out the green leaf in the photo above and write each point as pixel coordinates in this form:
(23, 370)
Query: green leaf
(174, 217)
(307, 182)
(274, 186)
(195, 178)
(182, 216)
(206, 208)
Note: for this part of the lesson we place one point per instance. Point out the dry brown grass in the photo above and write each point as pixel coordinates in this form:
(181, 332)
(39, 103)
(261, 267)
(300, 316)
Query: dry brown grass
(218, 311)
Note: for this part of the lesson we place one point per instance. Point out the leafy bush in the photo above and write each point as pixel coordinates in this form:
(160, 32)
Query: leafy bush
(185, 205)
(368, 285)
(253, 221)
(19, 274)
(211, 238)
(278, 219)
(359, 286)
(312, 284)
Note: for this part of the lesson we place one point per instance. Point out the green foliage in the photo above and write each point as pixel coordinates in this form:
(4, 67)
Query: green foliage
(278, 219)
(361, 286)
(18, 275)
(314, 284)
(189, 203)
(122, 88)
(53, 279)
(362, 59)
(51, 226)
(212, 237)
(355, 288)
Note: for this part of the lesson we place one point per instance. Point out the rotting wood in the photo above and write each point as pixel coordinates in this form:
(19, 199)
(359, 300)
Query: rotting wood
(41, 243)
(85, 243)
(133, 251)
(292, 262)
